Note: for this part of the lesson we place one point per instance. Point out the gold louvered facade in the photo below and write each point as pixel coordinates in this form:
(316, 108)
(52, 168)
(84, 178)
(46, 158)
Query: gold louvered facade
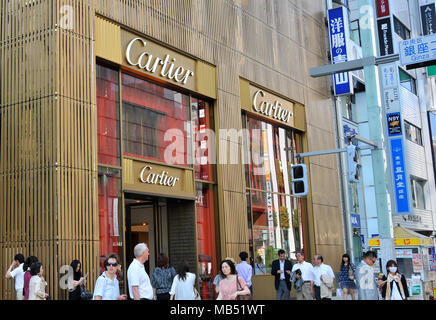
(48, 150)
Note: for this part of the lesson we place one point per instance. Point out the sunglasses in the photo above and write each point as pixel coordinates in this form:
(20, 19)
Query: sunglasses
(114, 264)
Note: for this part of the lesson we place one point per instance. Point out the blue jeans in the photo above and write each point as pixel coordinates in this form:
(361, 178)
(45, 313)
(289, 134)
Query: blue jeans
(283, 293)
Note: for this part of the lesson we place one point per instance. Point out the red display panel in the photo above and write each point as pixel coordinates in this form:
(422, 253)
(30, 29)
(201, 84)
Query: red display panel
(383, 8)
(204, 140)
(109, 205)
(206, 239)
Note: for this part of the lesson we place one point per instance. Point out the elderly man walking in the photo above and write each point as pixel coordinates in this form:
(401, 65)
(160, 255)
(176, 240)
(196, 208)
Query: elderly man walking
(306, 274)
(323, 279)
(138, 280)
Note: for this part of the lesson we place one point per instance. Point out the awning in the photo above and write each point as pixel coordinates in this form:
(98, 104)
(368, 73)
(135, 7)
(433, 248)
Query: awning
(404, 237)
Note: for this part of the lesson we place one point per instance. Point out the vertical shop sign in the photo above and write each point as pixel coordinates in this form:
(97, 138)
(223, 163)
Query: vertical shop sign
(428, 16)
(428, 23)
(390, 89)
(386, 43)
(400, 177)
(383, 8)
(339, 33)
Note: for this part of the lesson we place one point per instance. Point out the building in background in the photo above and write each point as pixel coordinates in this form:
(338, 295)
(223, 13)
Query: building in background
(402, 19)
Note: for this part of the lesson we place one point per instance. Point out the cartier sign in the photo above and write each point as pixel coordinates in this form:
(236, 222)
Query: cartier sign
(164, 179)
(272, 107)
(166, 66)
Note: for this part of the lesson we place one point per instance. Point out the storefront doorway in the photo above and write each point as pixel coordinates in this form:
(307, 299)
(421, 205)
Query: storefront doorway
(166, 225)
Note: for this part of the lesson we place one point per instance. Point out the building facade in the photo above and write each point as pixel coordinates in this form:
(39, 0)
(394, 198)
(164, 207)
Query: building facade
(167, 122)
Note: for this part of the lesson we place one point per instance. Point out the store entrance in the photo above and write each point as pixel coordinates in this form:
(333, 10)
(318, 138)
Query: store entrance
(166, 225)
(146, 221)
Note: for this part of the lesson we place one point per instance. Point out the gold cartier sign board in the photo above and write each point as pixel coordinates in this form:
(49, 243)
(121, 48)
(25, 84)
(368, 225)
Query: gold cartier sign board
(272, 107)
(148, 176)
(158, 61)
(157, 179)
(275, 110)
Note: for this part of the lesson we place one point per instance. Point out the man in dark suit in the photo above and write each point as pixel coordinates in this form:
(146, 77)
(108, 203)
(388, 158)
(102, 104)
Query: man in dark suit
(281, 269)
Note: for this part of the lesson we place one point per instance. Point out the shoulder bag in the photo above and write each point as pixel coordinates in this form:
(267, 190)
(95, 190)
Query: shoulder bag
(239, 288)
(85, 294)
(350, 272)
(196, 294)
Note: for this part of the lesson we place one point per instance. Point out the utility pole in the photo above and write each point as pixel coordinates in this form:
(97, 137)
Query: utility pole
(374, 108)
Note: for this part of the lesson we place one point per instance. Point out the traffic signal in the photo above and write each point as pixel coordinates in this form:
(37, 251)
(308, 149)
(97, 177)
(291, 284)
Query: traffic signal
(353, 163)
(299, 180)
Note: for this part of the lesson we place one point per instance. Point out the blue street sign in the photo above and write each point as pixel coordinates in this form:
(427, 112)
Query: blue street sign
(339, 37)
(418, 50)
(355, 221)
(400, 177)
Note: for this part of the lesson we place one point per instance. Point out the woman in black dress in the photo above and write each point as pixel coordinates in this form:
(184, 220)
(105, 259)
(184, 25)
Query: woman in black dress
(78, 280)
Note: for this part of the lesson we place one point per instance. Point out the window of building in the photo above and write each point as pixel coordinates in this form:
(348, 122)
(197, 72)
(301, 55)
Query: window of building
(401, 29)
(204, 145)
(417, 190)
(407, 81)
(275, 217)
(155, 122)
(108, 117)
(207, 251)
(432, 125)
(413, 133)
(355, 31)
(110, 208)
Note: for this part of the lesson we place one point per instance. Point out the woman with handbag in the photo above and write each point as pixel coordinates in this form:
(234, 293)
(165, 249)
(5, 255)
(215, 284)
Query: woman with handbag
(346, 277)
(183, 284)
(232, 287)
(78, 281)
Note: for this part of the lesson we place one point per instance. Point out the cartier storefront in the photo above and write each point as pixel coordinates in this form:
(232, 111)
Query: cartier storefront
(154, 175)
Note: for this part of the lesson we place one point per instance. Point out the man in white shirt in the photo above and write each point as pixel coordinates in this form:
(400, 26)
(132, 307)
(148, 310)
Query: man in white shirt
(107, 285)
(138, 280)
(318, 270)
(306, 269)
(16, 271)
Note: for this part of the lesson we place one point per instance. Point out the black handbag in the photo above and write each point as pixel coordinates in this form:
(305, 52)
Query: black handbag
(85, 294)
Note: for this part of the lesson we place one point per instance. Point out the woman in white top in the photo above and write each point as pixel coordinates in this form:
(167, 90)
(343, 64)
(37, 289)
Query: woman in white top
(394, 285)
(37, 283)
(183, 283)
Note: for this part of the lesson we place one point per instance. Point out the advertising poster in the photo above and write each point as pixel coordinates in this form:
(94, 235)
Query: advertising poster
(417, 263)
(416, 285)
(404, 253)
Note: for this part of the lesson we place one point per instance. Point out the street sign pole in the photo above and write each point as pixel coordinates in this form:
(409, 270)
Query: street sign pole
(374, 109)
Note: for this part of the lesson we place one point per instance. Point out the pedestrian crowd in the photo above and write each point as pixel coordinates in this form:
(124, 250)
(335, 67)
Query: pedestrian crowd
(233, 281)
